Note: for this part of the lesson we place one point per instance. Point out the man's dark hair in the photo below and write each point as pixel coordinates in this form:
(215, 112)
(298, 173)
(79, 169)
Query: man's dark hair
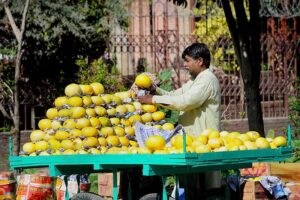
(196, 51)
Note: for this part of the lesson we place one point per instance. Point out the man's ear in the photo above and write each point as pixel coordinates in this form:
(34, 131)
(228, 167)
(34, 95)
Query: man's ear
(200, 60)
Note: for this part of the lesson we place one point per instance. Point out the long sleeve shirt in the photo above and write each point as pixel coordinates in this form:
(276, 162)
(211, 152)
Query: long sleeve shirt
(198, 100)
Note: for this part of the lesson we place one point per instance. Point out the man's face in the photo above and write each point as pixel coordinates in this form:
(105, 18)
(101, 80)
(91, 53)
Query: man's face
(194, 66)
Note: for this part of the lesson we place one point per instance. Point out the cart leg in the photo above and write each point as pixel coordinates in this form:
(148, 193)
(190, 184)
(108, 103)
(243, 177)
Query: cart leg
(227, 192)
(227, 187)
(67, 196)
(186, 189)
(238, 188)
(115, 185)
(176, 187)
(129, 196)
(238, 174)
(164, 191)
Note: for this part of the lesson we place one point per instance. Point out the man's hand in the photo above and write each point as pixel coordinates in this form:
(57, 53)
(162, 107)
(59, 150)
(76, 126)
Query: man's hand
(152, 89)
(147, 99)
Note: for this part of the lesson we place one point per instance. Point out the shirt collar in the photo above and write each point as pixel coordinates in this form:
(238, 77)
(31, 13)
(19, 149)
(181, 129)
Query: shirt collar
(202, 73)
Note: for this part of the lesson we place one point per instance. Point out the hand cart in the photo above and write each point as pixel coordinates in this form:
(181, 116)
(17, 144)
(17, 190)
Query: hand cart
(151, 164)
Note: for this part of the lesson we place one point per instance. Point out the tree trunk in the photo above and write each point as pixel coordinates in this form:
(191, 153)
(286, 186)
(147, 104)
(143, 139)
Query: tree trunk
(19, 36)
(251, 77)
(255, 119)
(246, 40)
(16, 117)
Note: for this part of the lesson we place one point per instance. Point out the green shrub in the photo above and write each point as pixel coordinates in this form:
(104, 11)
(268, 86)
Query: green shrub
(294, 116)
(294, 104)
(100, 70)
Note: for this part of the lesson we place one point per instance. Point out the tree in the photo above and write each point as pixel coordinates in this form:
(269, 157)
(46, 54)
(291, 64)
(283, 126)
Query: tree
(57, 34)
(14, 112)
(245, 32)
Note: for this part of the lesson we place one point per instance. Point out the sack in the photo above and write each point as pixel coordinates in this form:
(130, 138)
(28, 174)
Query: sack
(142, 132)
(84, 183)
(76, 183)
(60, 188)
(7, 185)
(73, 184)
(34, 187)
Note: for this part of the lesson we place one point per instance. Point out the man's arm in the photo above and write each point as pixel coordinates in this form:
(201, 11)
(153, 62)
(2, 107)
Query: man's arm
(194, 97)
(147, 99)
(179, 91)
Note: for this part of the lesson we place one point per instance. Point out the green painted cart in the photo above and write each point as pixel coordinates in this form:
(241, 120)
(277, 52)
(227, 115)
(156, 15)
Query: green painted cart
(151, 164)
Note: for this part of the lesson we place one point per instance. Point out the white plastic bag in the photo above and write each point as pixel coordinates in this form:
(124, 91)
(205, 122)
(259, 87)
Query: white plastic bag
(142, 132)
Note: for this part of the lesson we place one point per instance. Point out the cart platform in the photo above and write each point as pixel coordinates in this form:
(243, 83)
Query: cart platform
(151, 164)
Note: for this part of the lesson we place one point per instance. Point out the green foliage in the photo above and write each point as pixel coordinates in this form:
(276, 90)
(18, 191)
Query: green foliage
(294, 116)
(294, 105)
(100, 71)
(296, 151)
(50, 23)
(57, 34)
(270, 133)
(5, 128)
(93, 179)
(30, 171)
(165, 78)
(167, 84)
(213, 27)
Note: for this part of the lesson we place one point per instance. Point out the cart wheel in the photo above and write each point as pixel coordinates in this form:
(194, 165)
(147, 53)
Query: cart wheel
(86, 196)
(151, 196)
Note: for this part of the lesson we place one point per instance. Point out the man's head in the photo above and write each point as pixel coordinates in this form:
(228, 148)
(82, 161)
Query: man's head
(196, 58)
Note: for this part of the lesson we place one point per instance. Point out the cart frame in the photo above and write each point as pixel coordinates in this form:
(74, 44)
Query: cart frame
(151, 164)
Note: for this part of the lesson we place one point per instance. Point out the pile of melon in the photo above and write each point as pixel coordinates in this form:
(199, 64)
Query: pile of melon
(89, 121)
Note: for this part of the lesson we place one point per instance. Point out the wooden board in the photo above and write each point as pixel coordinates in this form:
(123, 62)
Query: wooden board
(295, 191)
(257, 169)
(255, 191)
(288, 172)
(105, 184)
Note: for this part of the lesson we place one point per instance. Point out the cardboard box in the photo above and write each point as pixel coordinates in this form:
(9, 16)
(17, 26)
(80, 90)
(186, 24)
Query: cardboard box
(288, 172)
(295, 190)
(255, 191)
(258, 169)
(105, 184)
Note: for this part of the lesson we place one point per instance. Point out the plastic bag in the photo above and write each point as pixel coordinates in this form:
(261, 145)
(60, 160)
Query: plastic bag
(60, 188)
(34, 187)
(142, 132)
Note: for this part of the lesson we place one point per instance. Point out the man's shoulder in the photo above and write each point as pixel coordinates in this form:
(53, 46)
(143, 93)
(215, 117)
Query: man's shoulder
(209, 75)
(209, 78)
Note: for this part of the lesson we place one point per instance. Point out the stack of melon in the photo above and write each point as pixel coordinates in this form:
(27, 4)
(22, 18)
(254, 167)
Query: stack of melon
(88, 121)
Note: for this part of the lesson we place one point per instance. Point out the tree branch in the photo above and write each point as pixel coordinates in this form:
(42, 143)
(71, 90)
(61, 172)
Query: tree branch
(12, 22)
(242, 22)
(24, 18)
(4, 113)
(11, 111)
(255, 32)
(232, 27)
(9, 89)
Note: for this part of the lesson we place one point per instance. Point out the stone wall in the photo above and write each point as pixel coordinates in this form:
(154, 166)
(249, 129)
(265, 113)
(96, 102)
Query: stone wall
(276, 124)
(4, 148)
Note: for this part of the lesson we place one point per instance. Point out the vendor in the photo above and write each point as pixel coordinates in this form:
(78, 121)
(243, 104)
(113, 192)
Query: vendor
(199, 103)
